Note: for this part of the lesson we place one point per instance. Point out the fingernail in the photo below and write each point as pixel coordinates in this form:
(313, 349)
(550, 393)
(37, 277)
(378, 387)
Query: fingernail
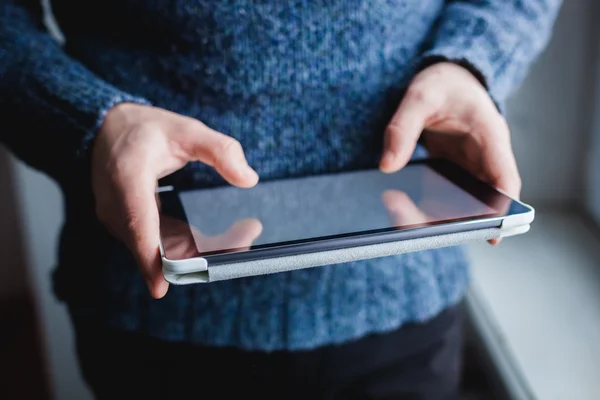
(241, 166)
(249, 173)
(388, 158)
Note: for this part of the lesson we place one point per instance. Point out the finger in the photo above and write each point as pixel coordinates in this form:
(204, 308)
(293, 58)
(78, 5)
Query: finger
(222, 152)
(142, 231)
(402, 209)
(498, 160)
(403, 131)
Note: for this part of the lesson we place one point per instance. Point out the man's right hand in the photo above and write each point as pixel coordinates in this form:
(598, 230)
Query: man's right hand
(136, 146)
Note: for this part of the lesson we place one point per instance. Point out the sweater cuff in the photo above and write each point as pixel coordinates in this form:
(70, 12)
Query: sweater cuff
(104, 107)
(72, 100)
(476, 41)
(478, 67)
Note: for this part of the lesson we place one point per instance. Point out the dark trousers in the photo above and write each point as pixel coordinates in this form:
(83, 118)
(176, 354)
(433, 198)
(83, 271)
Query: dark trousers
(418, 361)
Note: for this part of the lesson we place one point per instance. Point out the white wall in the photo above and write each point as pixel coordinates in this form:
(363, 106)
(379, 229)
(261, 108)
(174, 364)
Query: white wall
(549, 117)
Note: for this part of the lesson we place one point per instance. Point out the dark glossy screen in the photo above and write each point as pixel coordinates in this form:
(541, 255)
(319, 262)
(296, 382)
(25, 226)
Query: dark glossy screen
(277, 213)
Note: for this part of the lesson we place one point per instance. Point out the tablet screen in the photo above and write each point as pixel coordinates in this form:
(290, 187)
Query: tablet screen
(276, 213)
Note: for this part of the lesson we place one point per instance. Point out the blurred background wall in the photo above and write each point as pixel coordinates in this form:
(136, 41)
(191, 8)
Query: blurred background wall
(21, 347)
(13, 279)
(551, 115)
(551, 120)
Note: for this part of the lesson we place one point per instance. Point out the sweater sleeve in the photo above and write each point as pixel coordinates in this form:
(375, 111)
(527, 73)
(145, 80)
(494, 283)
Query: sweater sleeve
(496, 39)
(50, 105)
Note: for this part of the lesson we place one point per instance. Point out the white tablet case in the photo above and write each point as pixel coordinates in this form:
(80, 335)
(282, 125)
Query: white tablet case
(198, 270)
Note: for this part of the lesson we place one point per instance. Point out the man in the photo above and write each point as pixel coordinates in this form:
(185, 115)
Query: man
(205, 91)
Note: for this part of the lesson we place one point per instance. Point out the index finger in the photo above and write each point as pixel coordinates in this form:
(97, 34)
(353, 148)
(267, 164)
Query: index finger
(220, 151)
(498, 161)
(404, 130)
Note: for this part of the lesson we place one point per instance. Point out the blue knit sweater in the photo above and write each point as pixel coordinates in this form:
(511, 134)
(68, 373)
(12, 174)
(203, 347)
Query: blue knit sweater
(306, 86)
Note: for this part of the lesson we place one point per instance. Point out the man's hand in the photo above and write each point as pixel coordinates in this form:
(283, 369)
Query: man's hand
(136, 146)
(460, 122)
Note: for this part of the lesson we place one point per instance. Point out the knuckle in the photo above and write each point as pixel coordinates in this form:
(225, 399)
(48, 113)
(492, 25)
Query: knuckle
(187, 136)
(394, 129)
(121, 170)
(131, 224)
(114, 168)
(492, 123)
(472, 109)
(473, 105)
(417, 94)
(188, 127)
(231, 145)
(145, 127)
(228, 148)
(117, 171)
(131, 221)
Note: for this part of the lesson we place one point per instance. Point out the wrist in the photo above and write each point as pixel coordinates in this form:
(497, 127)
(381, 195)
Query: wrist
(120, 115)
(116, 121)
(440, 61)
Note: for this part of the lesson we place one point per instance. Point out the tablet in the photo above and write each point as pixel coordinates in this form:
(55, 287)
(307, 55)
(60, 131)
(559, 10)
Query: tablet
(226, 232)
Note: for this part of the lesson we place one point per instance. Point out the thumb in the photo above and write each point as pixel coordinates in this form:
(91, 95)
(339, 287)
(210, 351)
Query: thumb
(403, 131)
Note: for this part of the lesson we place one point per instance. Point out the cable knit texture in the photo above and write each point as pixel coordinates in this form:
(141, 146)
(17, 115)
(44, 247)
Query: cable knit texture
(306, 86)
